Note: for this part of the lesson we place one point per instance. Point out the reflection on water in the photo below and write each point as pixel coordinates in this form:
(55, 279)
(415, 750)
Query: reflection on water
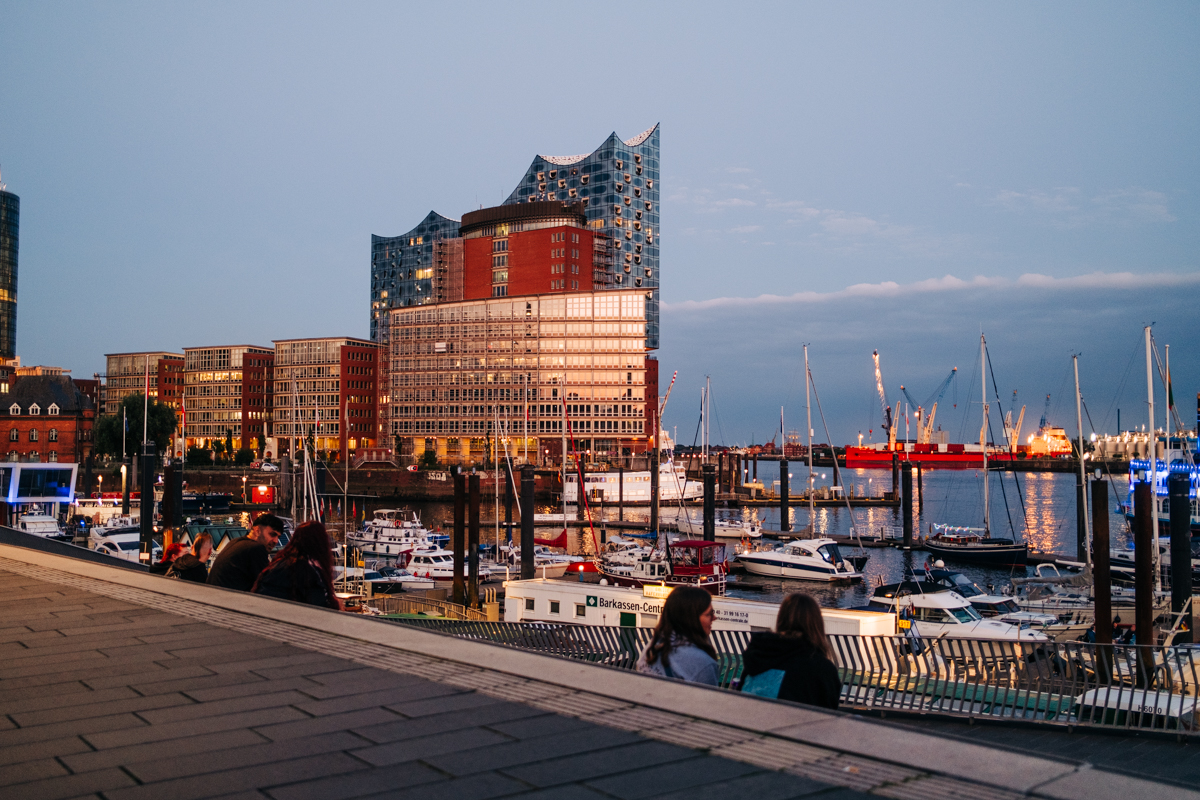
(1041, 511)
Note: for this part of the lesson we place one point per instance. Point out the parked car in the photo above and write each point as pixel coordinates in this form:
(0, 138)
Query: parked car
(267, 466)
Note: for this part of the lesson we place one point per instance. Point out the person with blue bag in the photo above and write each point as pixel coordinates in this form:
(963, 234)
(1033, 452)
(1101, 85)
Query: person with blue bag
(795, 662)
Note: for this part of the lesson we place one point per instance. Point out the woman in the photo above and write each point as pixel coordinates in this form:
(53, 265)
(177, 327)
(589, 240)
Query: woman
(193, 566)
(679, 647)
(303, 570)
(173, 551)
(796, 662)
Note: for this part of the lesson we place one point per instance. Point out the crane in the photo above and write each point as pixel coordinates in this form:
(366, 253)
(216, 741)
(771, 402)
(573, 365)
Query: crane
(883, 403)
(1045, 411)
(912, 401)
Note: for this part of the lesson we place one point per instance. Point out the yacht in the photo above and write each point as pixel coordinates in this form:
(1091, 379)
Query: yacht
(683, 563)
(803, 559)
(1006, 609)
(974, 545)
(937, 611)
(42, 525)
(393, 534)
(124, 543)
(634, 487)
(439, 565)
(386, 580)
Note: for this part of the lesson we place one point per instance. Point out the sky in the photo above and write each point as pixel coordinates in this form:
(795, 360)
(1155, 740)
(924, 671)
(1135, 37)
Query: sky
(857, 177)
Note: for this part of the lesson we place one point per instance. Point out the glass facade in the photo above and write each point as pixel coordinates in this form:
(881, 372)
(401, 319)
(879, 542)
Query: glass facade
(227, 393)
(10, 217)
(456, 370)
(411, 270)
(619, 185)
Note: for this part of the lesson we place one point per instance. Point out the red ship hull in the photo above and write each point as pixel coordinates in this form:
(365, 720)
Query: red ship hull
(940, 456)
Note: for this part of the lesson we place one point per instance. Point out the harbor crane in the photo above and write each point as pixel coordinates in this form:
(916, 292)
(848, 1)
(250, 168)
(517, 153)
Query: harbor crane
(1045, 411)
(888, 419)
(924, 421)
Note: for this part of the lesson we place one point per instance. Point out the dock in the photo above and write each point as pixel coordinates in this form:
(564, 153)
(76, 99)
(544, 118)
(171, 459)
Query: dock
(124, 685)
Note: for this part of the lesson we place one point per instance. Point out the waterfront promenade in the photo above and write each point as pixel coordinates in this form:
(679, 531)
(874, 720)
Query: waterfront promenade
(119, 684)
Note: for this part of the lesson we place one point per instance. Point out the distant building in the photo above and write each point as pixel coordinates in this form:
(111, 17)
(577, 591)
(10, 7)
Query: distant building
(228, 394)
(47, 418)
(327, 388)
(10, 218)
(126, 374)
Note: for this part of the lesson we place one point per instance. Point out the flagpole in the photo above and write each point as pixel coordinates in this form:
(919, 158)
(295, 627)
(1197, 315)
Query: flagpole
(146, 408)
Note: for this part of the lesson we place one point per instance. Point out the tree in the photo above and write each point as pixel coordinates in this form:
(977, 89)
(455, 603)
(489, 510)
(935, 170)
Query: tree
(199, 457)
(243, 456)
(159, 429)
(429, 460)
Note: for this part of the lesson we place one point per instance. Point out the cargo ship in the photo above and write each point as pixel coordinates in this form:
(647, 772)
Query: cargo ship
(1048, 442)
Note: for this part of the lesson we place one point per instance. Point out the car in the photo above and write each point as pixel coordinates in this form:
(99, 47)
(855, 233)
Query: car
(267, 466)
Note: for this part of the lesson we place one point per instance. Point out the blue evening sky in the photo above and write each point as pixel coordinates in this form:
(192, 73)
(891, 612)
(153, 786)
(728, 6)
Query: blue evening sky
(854, 176)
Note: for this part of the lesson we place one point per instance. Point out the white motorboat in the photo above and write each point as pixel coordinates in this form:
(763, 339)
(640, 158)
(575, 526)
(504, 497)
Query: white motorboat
(546, 562)
(803, 559)
(386, 580)
(122, 542)
(439, 565)
(392, 534)
(937, 611)
(100, 509)
(42, 525)
(722, 528)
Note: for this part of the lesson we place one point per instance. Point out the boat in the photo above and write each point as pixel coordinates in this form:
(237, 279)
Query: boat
(973, 545)
(1177, 461)
(386, 580)
(546, 562)
(121, 542)
(100, 509)
(206, 502)
(673, 486)
(935, 610)
(438, 564)
(43, 525)
(1005, 608)
(940, 456)
(687, 562)
(803, 559)
(393, 534)
(723, 528)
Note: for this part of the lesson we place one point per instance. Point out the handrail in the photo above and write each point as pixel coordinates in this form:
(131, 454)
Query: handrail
(393, 604)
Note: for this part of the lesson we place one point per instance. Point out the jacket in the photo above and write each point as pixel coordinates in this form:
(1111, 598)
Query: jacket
(790, 668)
(685, 661)
(189, 568)
(237, 566)
(297, 581)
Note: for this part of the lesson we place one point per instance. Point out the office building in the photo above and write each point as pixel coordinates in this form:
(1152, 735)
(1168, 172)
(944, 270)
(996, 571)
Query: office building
(228, 394)
(126, 374)
(10, 219)
(48, 419)
(326, 388)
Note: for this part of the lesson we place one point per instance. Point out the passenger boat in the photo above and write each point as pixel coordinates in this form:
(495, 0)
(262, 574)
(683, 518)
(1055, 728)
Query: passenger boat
(683, 563)
(935, 610)
(439, 565)
(673, 486)
(1178, 461)
(803, 559)
(959, 543)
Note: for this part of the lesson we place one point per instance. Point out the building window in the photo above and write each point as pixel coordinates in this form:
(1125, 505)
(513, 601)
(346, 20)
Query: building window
(34, 409)
(529, 604)
(499, 261)
(33, 437)
(53, 437)
(13, 455)
(500, 276)
(554, 607)
(52, 456)
(14, 409)
(52, 410)
(500, 291)
(499, 245)
(14, 435)
(580, 610)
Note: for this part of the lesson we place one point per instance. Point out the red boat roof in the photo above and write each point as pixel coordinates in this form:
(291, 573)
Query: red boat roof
(696, 543)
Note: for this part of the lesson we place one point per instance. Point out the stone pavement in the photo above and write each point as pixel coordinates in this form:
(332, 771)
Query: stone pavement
(120, 685)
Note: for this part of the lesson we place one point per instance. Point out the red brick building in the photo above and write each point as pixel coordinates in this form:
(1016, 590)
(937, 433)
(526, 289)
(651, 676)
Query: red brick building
(47, 418)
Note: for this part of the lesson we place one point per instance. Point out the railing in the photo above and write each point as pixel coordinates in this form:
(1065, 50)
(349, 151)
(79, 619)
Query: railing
(1057, 683)
(389, 604)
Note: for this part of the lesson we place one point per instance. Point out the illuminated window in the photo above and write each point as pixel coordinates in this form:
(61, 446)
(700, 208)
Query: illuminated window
(53, 437)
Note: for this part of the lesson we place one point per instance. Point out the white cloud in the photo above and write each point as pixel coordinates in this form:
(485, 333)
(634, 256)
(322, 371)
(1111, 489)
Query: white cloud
(950, 283)
(1068, 207)
(738, 169)
(746, 229)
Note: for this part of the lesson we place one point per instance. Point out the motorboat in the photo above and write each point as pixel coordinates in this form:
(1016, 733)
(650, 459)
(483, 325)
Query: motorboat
(1006, 609)
(685, 562)
(43, 525)
(974, 545)
(407, 580)
(803, 559)
(935, 610)
(438, 564)
(124, 543)
(100, 509)
(403, 518)
(722, 528)
(386, 580)
(393, 534)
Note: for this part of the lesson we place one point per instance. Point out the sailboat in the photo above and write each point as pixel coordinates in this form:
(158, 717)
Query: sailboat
(977, 545)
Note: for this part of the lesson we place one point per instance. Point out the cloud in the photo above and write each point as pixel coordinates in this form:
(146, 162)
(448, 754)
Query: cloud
(950, 283)
(746, 229)
(1068, 207)
(738, 169)
(733, 202)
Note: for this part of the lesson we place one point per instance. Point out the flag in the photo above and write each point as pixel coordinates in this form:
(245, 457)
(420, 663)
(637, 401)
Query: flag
(1170, 392)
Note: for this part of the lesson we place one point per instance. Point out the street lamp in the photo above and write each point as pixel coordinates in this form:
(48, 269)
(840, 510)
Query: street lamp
(243, 488)
(101, 479)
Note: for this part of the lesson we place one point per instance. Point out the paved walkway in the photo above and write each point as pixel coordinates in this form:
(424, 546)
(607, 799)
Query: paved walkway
(124, 686)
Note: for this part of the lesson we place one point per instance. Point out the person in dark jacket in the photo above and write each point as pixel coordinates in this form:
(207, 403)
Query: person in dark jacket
(796, 661)
(238, 564)
(303, 570)
(193, 566)
(169, 555)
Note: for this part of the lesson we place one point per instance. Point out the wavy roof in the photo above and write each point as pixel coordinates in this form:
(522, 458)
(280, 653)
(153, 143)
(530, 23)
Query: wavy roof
(565, 161)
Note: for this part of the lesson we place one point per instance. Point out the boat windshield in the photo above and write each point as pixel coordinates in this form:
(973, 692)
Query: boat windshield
(965, 614)
(830, 553)
(965, 586)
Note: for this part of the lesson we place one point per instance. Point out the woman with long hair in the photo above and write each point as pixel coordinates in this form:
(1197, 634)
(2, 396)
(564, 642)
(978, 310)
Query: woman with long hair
(796, 661)
(303, 570)
(680, 647)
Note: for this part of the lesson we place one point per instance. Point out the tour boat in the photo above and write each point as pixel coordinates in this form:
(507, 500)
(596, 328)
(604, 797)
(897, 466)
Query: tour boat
(803, 559)
(683, 563)
(634, 487)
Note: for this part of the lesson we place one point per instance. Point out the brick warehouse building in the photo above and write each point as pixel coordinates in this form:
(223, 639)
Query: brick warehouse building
(576, 227)
(47, 418)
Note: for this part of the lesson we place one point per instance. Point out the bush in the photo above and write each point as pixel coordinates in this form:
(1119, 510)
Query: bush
(199, 457)
(243, 457)
(428, 460)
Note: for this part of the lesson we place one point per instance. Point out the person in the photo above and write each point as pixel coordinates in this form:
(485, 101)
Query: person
(193, 566)
(238, 565)
(303, 570)
(796, 661)
(173, 551)
(680, 647)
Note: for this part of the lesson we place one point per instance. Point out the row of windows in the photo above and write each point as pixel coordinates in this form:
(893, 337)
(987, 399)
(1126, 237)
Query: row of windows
(34, 456)
(14, 435)
(34, 410)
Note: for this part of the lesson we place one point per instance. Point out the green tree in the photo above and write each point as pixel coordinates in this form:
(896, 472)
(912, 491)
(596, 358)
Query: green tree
(243, 457)
(160, 426)
(428, 460)
(199, 457)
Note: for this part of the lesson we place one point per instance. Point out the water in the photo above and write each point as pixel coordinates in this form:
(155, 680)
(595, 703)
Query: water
(1042, 513)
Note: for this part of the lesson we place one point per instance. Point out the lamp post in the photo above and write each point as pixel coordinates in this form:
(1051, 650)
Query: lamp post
(101, 488)
(243, 488)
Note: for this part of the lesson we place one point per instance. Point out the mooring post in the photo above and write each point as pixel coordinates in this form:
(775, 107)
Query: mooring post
(906, 487)
(149, 456)
(1180, 511)
(895, 474)
(710, 503)
(620, 494)
(1102, 579)
(459, 538)
(785, 524)
(473, 546)
(1143, 571)
(756, 467)
(527, 569)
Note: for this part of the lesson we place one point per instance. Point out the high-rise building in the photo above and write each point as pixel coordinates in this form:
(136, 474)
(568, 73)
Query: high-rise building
(535, 317)
(228, 395)
(327, 388)
(10, 218)
(129, 373)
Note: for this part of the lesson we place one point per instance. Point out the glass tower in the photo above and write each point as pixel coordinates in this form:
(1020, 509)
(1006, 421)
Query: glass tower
(618, 183)
(404, 269)
(10, 216)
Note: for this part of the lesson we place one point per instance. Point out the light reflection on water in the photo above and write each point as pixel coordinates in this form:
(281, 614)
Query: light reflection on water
(1042, 513)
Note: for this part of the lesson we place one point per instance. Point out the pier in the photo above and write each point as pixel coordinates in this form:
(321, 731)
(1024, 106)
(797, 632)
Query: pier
(124, 685)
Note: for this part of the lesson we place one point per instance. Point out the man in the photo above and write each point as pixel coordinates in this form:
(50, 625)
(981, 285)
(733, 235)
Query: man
(238, 565)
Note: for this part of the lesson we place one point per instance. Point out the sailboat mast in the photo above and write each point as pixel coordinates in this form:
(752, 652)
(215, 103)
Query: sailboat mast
(1082, 474)
(579, 493)
(1153, 451)
(987, 511)
(812, 512)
